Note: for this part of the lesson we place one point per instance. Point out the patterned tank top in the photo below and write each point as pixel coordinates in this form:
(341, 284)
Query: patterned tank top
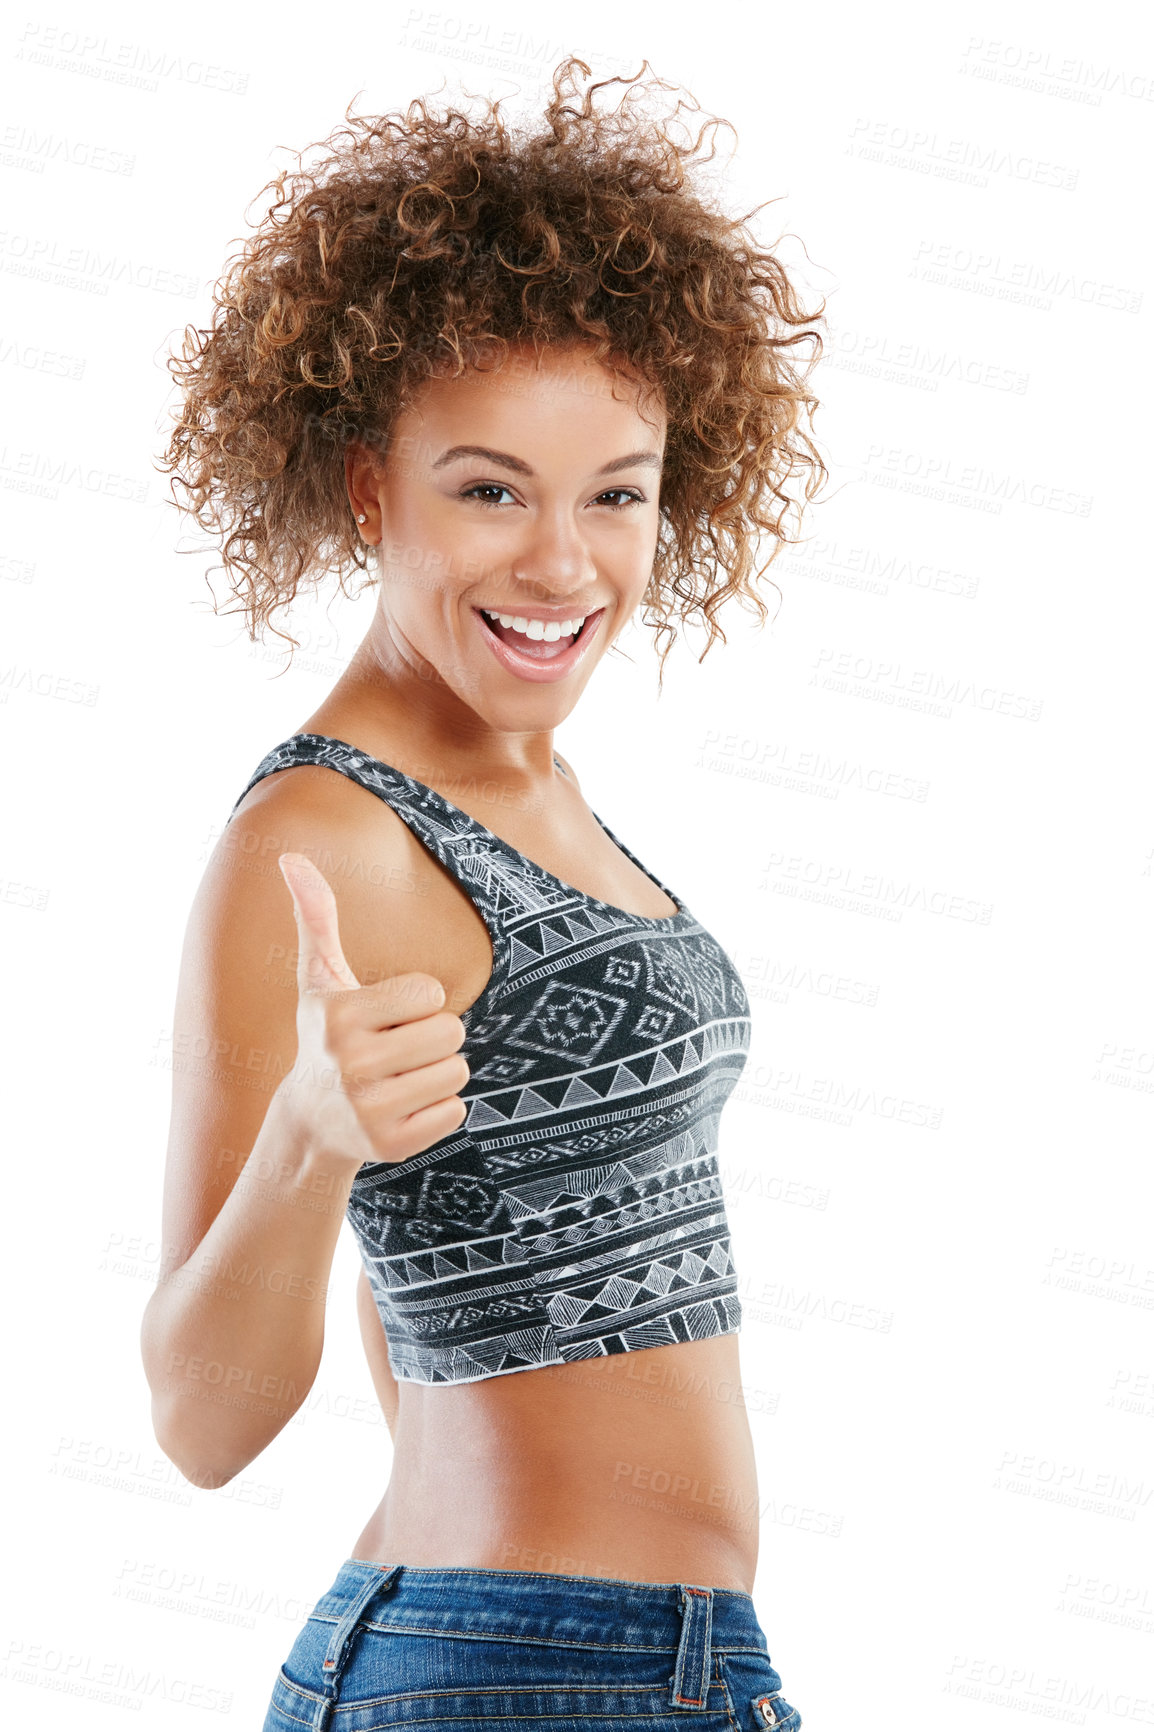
(577, 1211)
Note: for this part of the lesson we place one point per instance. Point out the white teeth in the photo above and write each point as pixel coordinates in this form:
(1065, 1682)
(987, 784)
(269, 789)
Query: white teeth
(539, 629)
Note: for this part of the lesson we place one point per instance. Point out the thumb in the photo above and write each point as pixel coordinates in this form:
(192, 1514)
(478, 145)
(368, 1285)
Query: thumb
(321, 965)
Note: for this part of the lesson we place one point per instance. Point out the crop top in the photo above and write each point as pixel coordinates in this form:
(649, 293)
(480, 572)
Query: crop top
(577, 1211)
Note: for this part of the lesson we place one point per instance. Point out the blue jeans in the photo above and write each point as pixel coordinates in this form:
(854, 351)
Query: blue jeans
(459, 1650)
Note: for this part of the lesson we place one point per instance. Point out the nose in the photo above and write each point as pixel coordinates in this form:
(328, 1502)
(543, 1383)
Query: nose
(554, 565)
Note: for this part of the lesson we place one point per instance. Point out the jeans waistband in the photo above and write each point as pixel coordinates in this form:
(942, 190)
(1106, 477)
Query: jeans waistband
(521, 1605)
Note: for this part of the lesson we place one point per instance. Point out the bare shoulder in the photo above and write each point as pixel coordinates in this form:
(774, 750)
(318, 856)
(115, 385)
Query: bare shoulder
(385, 883)
(234, 1022)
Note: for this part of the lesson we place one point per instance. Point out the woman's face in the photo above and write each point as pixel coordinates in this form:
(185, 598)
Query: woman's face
(531, 492)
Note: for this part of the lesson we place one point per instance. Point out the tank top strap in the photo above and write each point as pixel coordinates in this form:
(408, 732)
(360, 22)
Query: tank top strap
(467, 851)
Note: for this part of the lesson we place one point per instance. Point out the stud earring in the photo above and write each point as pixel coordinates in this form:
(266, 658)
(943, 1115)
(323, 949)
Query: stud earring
(361, 517)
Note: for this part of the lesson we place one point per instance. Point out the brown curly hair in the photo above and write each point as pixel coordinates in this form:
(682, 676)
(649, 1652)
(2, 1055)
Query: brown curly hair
(418, 244)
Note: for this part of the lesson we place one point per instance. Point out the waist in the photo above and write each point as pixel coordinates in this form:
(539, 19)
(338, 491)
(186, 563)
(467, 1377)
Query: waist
(661, 1419)
(515, 1605)
(638, 1467)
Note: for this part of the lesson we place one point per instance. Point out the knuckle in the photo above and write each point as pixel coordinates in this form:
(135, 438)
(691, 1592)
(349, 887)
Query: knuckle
(447, 1027)
(381, 1095)
(389, 1099)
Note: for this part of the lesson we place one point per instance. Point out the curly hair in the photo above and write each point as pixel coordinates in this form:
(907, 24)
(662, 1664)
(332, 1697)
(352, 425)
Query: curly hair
(418, 245)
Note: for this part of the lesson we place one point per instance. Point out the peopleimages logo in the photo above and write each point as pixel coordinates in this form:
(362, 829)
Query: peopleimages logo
(1022, 281)
(922, 150)
(940, 476)
(844, 885)
(46, 259)
(1064, 75)
(879, 356)
(133, 64)
(882, 681)
(782, 764)
(465, 36)
(24, 147)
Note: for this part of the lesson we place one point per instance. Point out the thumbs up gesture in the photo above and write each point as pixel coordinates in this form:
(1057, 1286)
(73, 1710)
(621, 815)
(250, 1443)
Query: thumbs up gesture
(376, 1066)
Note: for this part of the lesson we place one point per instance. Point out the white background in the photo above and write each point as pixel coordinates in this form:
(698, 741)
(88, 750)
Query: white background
(937, 1163)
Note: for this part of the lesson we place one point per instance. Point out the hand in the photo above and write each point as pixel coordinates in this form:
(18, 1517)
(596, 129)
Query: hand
(376, 1066)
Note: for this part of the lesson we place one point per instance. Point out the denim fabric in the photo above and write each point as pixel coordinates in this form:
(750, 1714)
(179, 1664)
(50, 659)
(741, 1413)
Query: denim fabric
(458, 1650)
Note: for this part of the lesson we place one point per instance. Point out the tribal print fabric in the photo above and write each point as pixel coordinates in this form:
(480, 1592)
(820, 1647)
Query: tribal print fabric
(577, 1211)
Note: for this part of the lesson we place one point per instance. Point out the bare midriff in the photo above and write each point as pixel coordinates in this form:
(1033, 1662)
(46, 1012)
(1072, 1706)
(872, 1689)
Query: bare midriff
(637, 1466)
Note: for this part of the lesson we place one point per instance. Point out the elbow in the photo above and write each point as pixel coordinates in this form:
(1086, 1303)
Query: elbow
(198, 1459)
(210, 1448)
(196, 1455)
(210, 1436)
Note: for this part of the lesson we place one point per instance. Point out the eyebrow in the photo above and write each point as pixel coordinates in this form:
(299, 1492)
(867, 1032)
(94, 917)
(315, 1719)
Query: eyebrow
(505, 459)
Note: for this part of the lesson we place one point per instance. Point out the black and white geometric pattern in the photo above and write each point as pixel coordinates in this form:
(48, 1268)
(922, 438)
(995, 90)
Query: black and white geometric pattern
(577, 1212)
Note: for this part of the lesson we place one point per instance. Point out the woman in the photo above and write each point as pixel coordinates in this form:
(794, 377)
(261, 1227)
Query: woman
(538, 381)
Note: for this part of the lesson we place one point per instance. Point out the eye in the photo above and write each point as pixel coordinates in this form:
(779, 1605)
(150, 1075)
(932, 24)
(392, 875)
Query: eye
(485, 487)
(623, 496)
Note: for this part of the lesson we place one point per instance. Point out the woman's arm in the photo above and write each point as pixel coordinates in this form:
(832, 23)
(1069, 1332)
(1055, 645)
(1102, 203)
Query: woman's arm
(232, 1337)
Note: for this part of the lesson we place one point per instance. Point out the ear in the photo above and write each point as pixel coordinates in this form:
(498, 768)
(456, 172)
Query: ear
(363, 469)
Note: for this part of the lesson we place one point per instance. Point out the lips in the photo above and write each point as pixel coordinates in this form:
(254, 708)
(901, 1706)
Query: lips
(534, 659)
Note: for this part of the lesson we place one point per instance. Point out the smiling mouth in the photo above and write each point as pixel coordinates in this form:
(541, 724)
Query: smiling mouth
(540, 640)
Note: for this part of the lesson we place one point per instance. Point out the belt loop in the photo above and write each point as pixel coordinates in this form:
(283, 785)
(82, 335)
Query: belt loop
(691, 1674)
(381, 1578)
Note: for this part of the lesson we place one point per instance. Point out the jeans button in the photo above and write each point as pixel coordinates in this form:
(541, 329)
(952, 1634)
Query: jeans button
(763, 1707)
